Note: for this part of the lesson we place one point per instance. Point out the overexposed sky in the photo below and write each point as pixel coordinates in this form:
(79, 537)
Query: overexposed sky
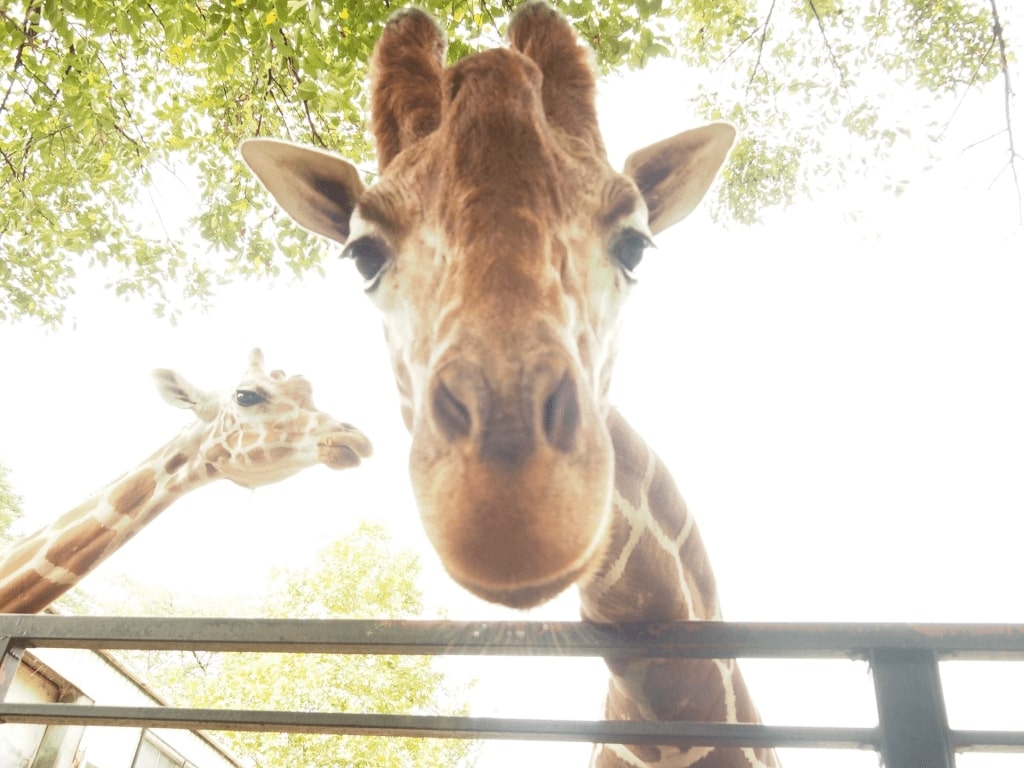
(840, 403)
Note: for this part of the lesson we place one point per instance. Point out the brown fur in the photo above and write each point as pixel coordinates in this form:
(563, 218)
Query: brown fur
(78, 547)
(134, 492)
(405, 94)
(30, 589)
(569, 87)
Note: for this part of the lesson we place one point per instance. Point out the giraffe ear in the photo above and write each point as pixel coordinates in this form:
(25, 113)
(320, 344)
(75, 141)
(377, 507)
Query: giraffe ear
(317, 189)
(177, 391)
(673, 175)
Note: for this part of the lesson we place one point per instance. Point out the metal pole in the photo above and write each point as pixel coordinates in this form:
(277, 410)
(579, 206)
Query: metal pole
(911, 710)
(10, 660)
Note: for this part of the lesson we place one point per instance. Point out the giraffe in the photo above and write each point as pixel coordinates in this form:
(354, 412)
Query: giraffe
(500, 245)
(263, 431)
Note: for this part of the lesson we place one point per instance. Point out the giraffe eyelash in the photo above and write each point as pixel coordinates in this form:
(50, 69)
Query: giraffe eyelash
(628, 251)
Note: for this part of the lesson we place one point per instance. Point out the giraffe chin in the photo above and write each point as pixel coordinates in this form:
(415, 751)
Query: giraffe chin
(522, 597)
(519, 536)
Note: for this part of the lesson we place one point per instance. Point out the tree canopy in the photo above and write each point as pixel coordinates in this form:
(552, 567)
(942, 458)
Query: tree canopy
(357, 577)
(117, 116)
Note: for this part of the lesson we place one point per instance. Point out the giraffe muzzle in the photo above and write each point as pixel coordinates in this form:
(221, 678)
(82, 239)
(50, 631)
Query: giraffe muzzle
(512, 481)
(343, 446)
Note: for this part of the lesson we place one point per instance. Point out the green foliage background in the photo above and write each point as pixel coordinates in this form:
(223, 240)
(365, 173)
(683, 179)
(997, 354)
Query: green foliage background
(112, 107)
(357, 577)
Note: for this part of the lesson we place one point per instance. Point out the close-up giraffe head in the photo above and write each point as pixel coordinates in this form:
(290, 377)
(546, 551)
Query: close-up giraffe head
(499, 245)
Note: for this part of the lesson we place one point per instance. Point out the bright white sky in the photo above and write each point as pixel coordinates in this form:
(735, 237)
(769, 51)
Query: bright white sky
(839, 403)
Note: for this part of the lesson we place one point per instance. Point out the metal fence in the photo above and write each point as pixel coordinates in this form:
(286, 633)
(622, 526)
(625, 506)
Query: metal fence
(912, 730)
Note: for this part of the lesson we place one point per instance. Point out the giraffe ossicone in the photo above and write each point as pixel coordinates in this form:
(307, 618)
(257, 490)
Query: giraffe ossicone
(500, 246)
(262, 431)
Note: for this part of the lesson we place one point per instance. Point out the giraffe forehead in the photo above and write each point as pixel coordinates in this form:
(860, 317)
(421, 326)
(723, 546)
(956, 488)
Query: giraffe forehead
(490, 234)
(494, 140)
(296, 389)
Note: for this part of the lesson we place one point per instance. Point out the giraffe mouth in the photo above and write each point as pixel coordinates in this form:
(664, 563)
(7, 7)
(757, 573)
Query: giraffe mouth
(346, 450)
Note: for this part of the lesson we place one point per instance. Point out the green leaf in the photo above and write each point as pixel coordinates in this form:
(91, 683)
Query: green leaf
(307, 90)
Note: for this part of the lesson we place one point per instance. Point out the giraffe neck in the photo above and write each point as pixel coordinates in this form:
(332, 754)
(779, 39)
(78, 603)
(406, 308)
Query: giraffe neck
(656, 569)
(42, 567)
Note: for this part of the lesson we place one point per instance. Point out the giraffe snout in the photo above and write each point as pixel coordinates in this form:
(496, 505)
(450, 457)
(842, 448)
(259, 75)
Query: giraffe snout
(506, 425)
(511, 467)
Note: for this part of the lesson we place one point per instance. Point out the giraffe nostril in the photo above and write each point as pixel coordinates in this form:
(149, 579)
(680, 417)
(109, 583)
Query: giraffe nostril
(451, 415)
(562, 415)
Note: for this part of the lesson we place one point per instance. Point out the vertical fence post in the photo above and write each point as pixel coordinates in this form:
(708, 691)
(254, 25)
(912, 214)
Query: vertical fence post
(911, 710)
(10, 660)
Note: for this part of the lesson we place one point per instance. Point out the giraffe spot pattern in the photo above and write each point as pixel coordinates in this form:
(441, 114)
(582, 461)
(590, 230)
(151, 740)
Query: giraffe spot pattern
(175, 463)
(31, 589)
(133, 493)
(78, 548)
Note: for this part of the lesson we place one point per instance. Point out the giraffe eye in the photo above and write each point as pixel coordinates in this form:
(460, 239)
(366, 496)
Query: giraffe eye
(247, 398)
(371, 256)
(628, 251)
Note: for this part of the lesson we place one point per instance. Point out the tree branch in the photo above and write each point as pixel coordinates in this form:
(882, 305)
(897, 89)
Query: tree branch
(27, 36)
(967, 90)
(293, 68)
(760, 46)
(10, 164)
(997, 31)
(979, 142)
(269, 93)
(317, 138)
(828, 45)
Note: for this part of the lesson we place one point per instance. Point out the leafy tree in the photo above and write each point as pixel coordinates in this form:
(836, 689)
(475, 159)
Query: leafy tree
(879, 77)
(358, 576)
(10, 508)
(109, 108)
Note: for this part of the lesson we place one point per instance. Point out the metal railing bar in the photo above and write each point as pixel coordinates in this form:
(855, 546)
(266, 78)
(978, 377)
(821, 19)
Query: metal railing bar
(705, 734)
(696, 639)
(434, 726)
(987, 741)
